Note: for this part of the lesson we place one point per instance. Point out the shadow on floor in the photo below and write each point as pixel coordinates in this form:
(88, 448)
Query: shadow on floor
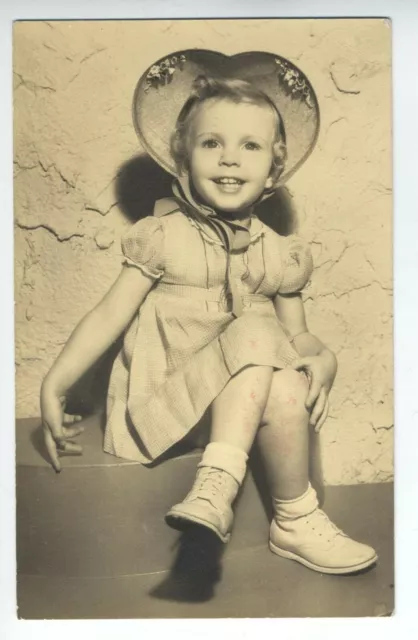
(196, 569)
(37, 441)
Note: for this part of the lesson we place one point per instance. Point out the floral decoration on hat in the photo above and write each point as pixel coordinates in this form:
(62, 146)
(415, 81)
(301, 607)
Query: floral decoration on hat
(165, 86)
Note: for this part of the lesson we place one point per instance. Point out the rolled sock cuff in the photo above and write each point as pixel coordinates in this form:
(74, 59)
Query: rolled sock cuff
(297, 507)
(226, 457)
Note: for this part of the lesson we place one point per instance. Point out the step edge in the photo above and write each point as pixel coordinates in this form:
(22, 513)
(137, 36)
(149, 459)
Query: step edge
(232, 555)
(122, 463)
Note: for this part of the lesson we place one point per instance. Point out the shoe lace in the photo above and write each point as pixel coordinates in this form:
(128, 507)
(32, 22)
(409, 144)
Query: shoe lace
(210, 482)
(323, 526)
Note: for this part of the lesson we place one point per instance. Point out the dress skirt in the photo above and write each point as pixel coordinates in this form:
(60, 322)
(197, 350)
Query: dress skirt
(178, 355)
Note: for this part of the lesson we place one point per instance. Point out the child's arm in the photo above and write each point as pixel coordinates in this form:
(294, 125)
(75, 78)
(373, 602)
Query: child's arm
(91, 338)
(316, 359)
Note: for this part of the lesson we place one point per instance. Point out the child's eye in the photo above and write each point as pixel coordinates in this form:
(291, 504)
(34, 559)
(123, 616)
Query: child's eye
(252, 146)
(210, 143)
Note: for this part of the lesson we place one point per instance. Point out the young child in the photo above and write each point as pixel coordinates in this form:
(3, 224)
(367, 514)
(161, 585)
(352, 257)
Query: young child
(209, 303)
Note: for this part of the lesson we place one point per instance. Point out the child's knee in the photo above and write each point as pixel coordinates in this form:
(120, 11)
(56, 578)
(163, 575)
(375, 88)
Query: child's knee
(288, 392)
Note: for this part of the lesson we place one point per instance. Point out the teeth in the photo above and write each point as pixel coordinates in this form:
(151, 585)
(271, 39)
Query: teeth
(229, 180)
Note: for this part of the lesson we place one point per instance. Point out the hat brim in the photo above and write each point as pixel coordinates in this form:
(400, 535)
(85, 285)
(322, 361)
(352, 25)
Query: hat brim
(165, 86)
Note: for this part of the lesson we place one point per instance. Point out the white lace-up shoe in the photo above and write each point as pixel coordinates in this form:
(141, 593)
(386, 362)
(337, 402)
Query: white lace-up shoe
(208, 503)
(316, 542)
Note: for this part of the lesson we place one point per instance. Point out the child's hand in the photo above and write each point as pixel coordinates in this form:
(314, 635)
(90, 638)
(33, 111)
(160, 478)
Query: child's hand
(321, 371)
(56, 434)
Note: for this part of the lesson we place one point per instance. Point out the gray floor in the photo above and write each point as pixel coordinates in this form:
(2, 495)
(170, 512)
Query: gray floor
(92, 543)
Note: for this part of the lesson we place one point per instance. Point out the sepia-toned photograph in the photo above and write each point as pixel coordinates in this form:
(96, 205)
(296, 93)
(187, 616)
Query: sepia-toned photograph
(203, 318)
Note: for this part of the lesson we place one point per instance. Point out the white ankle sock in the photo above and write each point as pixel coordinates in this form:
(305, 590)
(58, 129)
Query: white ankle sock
(297, 507)
(226, 457)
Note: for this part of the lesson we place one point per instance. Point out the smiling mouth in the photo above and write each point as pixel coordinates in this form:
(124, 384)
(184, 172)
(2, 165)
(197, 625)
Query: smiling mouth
(232, 181)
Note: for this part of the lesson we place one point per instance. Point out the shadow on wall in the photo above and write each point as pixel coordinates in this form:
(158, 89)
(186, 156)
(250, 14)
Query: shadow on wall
(139, 183)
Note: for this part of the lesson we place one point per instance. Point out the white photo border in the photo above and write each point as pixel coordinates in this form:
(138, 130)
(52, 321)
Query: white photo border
(404, 17)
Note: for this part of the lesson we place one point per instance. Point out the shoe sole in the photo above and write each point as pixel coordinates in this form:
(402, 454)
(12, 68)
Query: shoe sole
(181, 523)
(332, 570)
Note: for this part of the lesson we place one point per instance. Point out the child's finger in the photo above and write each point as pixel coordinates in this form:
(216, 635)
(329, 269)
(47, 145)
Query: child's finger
(318, 408)
(71, 432)
(52, 450)
(322, 418)
(70, 448)
(300, 363)
(69, 419)
(314, 391)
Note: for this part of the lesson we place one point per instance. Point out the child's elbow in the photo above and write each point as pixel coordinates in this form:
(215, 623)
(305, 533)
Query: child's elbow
(109, 318)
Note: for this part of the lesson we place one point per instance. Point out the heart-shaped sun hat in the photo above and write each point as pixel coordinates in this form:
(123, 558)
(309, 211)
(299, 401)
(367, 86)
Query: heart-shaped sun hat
(166, 85)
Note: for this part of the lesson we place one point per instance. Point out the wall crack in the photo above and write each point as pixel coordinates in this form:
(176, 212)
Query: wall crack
(90, 55)
(340, 89)
(90, 207)
(30, 85)
(47, 227)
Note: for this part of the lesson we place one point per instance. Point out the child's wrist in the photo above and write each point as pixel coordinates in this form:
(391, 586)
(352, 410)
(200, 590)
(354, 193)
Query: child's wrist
(306, 344)
(52, 386)
(326, 352)
(331, 359)
(300, 338)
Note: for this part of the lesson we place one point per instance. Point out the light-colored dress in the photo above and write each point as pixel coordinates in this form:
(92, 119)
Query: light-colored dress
(183, 345)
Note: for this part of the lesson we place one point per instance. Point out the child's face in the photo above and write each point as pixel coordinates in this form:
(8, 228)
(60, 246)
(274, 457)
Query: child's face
(231, 153)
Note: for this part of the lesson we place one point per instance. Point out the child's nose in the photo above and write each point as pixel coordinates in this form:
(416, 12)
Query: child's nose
(230, 156)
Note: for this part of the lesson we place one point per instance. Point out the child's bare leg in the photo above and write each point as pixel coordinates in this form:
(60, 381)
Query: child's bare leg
(236, 416)
(283, 438)
(300, 530)
(237, 411)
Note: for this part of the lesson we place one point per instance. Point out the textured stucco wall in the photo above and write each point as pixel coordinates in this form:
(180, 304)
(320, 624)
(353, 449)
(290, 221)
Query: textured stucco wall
(76, 158)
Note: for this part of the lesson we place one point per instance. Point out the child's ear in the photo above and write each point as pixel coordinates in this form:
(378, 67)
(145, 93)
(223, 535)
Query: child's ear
(269, 182)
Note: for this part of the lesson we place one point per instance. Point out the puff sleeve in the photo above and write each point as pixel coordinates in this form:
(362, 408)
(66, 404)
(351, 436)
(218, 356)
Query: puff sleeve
(143, 247)
(297, 264)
